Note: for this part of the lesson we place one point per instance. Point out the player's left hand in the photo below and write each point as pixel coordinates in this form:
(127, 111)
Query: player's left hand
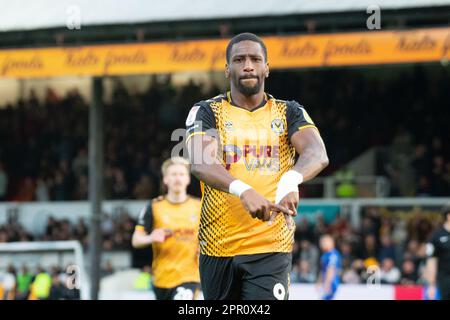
(289, 201)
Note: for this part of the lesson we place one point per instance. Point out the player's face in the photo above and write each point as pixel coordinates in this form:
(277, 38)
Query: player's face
(326, 244)
(247, 67)
(177, 178)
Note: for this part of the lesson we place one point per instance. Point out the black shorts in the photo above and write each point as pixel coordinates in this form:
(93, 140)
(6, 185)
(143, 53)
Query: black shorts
(246, 277)
(185, 291)
(444, 288)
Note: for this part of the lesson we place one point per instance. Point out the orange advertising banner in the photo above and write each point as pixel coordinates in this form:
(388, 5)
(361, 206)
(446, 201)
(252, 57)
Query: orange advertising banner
(296, 51)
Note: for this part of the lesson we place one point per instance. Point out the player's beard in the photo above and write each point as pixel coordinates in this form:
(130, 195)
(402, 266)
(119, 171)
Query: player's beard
(248, 90)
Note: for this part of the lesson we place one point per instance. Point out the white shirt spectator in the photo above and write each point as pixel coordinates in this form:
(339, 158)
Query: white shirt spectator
(42, 191)
(389, 273)
(351, 276)
(9, 281)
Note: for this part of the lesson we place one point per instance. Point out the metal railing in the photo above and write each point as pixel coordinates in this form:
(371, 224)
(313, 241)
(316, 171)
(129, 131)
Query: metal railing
(366, 186)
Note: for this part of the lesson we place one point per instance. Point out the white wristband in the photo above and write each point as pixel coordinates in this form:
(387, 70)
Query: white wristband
(237, 187)
(288, 183)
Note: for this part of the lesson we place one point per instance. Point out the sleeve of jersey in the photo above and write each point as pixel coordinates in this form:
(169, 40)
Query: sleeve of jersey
(334, 261)
(297, 118)
(432, 247)
(200, 121)
(145, 220)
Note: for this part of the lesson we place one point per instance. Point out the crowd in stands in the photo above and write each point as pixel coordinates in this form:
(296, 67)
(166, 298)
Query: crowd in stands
(392, 246)
(403, 110)
(116, 231)
(39, 284)
(43, 144)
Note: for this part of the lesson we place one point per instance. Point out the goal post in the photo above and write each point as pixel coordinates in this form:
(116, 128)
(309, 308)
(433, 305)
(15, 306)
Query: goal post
(39, 248)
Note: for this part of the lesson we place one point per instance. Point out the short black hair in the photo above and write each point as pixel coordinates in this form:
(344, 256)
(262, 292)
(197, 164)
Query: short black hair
(244, 37)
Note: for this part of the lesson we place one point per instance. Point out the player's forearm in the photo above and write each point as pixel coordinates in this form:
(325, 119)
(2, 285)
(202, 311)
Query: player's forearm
(312, 153)
(140, 241)
(205, 164)
(311, 162)
(214, 175)
(431, 271)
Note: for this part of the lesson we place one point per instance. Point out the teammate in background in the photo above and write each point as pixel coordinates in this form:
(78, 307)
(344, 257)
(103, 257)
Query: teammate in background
(170, 225)
(330, 268)
(242, 147)
(438, 262)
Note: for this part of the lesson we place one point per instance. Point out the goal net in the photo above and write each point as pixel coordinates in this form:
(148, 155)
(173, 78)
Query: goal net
(64, 257)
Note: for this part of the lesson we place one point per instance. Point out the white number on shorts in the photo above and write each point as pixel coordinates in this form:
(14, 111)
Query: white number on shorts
(279, 291)
(184, 294)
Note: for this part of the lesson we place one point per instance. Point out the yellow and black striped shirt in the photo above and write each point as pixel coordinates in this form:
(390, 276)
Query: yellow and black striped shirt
(255, 148)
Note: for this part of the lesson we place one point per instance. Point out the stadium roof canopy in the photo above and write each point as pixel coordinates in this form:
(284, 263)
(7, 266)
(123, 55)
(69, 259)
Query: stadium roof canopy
(21, 15)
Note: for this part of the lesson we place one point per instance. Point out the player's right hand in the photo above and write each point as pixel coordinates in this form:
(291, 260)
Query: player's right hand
(159, 235)
(259, 207)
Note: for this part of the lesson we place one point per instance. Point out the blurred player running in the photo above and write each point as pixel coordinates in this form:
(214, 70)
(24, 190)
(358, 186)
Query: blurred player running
(170, 225)
(242, 147)
(330, 268)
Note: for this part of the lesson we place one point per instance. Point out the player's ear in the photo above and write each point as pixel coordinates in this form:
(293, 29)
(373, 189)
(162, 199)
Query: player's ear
(266, 74)
(227, 71)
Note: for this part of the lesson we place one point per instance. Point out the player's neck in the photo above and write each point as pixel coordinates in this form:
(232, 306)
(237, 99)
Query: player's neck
(247, 102)
(176, 197)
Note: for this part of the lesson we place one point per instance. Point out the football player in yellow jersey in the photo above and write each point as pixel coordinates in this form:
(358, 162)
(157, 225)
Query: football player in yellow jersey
(242, 147)
(170, 225)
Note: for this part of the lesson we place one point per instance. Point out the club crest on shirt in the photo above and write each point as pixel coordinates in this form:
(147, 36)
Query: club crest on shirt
(228, 125)
(278, 126)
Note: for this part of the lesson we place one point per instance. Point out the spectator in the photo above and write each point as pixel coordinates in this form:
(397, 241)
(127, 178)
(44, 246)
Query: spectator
(40, 288)
(143, 190)
(120, 188)
(370, 249)
(81, 191)
(9, 283)
(24, 279)
(81, 231)
(353, 274)
(346, 254)
(57, 289)
(389, 274)
(305, 275)
(107, 226)
(80, 163)
(387, 249)
(60, 185)
(27, 191)
(409, 275)
(42, 193)
(309, 252)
